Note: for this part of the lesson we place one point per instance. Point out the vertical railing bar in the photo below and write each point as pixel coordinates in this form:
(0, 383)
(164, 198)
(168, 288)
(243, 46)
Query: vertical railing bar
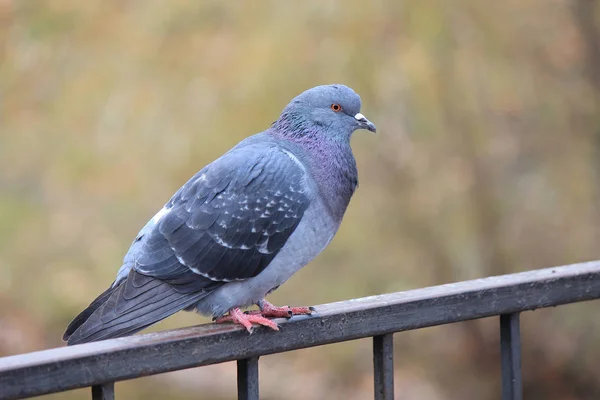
(510, 347)
(383, 366)
(247, 378)
(105, 391)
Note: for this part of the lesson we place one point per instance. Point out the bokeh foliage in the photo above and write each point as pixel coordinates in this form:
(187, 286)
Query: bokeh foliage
(487, 162)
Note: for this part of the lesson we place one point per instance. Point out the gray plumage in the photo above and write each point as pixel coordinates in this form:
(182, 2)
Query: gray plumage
(242, 225)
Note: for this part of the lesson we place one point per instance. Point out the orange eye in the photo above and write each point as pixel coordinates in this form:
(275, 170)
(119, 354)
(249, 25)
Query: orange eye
(336, 107)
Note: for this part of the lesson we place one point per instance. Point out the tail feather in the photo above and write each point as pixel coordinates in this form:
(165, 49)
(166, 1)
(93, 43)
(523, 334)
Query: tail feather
(136, 303)
(85, 314)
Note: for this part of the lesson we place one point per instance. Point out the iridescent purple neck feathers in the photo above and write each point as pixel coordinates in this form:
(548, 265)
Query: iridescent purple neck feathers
(330, 162)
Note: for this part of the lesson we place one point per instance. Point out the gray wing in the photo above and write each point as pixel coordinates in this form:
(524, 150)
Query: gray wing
(226, 223)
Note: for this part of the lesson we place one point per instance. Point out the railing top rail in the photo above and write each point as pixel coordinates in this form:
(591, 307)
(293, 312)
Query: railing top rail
(72, 367)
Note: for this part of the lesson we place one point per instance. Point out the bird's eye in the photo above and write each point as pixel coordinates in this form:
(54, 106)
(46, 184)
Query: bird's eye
(336, 107)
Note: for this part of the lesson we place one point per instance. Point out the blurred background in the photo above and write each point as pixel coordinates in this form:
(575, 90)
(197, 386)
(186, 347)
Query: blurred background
(487, 162)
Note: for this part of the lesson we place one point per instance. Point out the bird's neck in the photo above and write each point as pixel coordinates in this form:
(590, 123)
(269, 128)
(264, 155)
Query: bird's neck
(332, 166)
(336, 175)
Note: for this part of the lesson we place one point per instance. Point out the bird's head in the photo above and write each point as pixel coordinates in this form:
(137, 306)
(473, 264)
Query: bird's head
(332, 110)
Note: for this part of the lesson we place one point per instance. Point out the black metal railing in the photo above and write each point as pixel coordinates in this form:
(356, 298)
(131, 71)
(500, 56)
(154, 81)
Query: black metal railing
(100, 364)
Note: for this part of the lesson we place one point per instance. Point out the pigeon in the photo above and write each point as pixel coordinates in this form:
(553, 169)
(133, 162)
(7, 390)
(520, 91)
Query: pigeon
(241, 226)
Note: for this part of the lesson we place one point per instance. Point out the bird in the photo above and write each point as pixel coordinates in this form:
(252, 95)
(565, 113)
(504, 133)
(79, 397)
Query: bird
(241, 226)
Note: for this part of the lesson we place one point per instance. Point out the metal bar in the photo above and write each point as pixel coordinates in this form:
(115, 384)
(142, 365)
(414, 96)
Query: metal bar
(383, 366)
(105, 391)
(90, 364)
(510, 347)
(247, 378)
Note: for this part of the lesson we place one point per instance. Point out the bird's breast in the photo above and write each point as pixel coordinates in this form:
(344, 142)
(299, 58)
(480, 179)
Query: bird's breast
(336, 181)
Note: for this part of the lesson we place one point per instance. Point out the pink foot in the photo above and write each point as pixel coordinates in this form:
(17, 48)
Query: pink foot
(238, 317)
(270, 311)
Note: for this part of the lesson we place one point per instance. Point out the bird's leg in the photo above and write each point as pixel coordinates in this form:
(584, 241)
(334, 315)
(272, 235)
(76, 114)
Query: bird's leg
(270, 311)
(238, 317)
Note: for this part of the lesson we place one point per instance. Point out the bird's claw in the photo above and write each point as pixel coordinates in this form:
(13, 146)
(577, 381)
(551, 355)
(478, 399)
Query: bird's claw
(269, 310)
(246, 320)
(260, 317)
(270, 314)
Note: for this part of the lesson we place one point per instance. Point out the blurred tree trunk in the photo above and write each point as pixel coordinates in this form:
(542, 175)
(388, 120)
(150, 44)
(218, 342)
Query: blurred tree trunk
(586, 15)
(5, 21)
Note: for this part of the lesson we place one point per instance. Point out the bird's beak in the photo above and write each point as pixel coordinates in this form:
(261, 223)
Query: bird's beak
(365, 123)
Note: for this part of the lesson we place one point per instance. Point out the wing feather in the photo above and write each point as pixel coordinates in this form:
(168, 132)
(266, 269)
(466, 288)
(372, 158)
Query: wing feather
(229, 221)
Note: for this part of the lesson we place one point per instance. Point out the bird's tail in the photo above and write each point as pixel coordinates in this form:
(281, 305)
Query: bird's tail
(132, 305)
(85, 314)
